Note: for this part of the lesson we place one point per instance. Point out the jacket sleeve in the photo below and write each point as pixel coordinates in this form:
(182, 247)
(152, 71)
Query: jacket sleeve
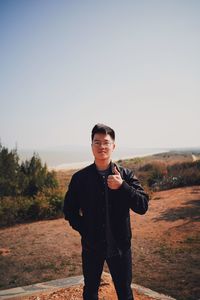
(71, 208)
(134, 194)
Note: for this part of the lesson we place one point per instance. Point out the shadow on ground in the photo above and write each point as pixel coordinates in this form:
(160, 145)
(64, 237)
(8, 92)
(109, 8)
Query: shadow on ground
(190, 212)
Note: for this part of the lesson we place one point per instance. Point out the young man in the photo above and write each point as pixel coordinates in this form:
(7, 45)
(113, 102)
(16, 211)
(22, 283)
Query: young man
(97, 205)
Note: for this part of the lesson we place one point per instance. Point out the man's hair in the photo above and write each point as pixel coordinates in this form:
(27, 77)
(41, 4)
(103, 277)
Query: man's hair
(104, 129)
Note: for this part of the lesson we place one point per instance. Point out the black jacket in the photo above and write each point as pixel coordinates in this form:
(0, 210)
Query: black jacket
(84, 205)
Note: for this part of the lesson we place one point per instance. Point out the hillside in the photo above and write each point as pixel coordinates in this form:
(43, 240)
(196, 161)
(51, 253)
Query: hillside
(165, 245)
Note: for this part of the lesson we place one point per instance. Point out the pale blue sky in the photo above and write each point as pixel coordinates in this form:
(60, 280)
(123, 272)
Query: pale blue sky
(67, 65)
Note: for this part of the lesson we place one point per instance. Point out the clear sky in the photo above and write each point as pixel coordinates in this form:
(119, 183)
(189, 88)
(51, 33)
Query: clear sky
(66, 65)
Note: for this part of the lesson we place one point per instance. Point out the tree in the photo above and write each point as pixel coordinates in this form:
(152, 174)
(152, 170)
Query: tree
(36, 177)
(9, 170)
(27, 179)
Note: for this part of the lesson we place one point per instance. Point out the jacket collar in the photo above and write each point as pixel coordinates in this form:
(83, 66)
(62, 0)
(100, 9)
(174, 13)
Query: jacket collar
(112, 167)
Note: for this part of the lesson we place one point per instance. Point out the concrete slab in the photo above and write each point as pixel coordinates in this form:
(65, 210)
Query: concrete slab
(150, 293)
(40, 287)
(63, 283)
(9, 292)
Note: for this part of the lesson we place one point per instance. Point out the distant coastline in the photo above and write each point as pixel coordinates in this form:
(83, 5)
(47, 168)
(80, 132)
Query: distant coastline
(82, 164)
(76, 157)
(72, 157)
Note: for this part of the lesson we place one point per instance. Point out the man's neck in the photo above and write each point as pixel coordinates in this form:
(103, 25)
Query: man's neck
(102, 164)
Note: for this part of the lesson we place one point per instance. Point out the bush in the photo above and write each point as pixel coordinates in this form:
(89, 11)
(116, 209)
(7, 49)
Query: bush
(14, 210)
(182, 174)
(152, 173)
(56, 204)
(158, 176)
(28, 191)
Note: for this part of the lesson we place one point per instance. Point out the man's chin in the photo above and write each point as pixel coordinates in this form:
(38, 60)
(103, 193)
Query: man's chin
(102, 156)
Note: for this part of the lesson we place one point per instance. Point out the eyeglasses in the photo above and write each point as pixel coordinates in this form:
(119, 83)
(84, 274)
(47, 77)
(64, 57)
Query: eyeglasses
(105, 144)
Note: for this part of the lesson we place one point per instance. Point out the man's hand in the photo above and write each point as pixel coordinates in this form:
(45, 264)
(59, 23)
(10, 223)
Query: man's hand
(114, 181)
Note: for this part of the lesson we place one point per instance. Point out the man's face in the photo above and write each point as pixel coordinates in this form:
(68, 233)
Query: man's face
(102, 146)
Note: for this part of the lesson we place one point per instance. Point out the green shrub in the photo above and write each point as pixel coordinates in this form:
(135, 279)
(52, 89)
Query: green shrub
(7, 211)
(56, 204)
(14, 210)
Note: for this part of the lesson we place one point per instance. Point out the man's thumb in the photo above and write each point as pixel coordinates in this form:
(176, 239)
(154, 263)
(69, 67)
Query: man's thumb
(116, 171)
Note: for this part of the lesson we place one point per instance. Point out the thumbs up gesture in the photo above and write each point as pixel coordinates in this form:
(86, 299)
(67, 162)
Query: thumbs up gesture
(114, 181)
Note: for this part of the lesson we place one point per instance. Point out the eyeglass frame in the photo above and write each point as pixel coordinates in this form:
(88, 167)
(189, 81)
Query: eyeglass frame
(105, 144)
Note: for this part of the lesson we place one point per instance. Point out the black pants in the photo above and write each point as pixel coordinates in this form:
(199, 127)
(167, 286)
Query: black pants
(120, 267)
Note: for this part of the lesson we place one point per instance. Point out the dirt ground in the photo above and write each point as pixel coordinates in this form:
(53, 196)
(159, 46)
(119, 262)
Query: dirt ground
(75, 293)
(165, 246)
